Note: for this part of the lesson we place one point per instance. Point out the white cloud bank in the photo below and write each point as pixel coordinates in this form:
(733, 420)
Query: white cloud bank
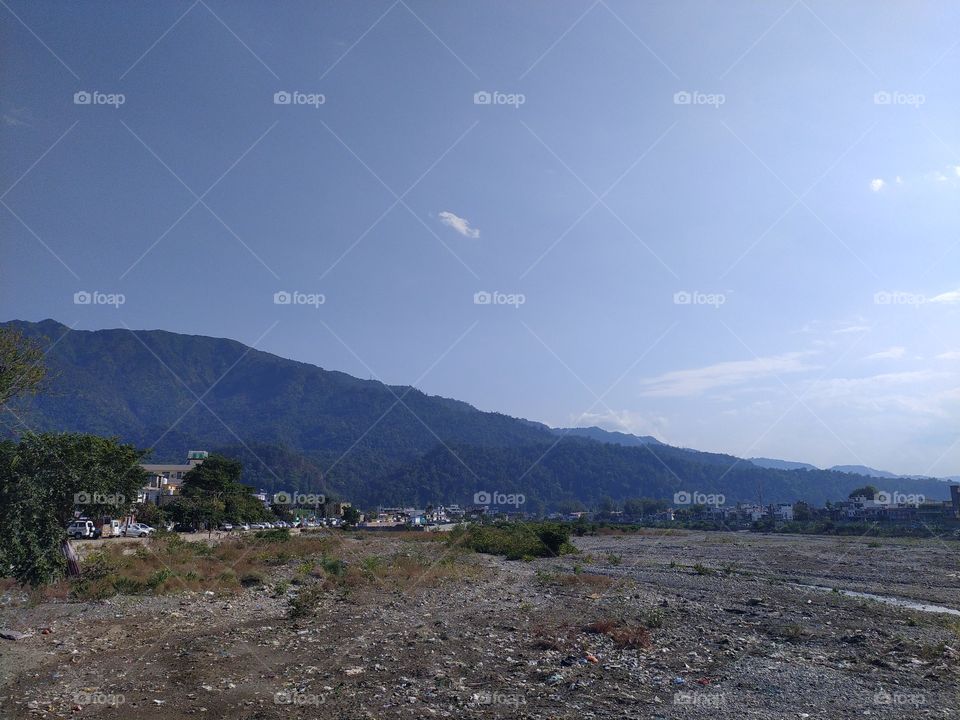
(893, 353)
(948, 298)
(690, 383)
(461, 225)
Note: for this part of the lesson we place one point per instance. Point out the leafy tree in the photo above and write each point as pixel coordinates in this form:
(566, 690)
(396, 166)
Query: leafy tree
(150, 514)
(212, 493)
(802, 512)
(640, 507)
(282, 512)
(351, 516)
(606, 505)
(43, 479)
(867, 491)
(21, 365)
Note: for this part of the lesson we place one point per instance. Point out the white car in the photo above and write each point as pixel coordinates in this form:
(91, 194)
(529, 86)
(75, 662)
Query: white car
(82, 529)
(137, 530)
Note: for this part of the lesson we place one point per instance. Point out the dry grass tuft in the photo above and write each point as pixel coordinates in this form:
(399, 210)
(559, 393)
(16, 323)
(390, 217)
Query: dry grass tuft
(633, 636)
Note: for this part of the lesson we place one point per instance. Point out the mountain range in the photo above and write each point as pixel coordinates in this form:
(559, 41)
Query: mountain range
(852, 469)
(296, 426)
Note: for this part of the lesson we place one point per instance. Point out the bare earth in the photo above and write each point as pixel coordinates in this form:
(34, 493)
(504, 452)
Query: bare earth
(716, 625)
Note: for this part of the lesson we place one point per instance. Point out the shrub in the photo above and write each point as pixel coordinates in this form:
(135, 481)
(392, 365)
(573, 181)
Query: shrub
(128, 586)
(516, 540)
(622, 635)
(273, 535)
(304, 603)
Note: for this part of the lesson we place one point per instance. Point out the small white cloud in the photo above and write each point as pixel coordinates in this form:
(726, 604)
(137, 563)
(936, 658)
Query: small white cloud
(730, 374)
(948, 298)
(892, 353)
(951, 355)
(625, 421)
(461, 225)
(898, 180)
(14, 121)
(877, 184)
(851, 329)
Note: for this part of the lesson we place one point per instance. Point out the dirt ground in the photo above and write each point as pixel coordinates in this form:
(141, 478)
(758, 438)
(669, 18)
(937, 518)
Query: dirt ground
(684, 625)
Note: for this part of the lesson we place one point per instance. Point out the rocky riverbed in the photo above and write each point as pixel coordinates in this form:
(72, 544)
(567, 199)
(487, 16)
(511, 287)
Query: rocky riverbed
(676, 625)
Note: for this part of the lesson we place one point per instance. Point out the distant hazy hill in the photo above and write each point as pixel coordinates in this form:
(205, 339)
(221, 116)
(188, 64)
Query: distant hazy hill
(781, 464)
(298, 426)
(864, 470)
(608, 436)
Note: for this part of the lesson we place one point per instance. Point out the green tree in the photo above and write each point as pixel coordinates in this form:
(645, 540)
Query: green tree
(867, 491)
(150, 514)
(351, 516)
(212, 493)
(44, 479)
(21, 365)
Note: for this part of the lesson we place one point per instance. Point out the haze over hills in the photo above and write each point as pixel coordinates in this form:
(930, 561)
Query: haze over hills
(297, 426)
(608, 436)
(775, 464)
(864, 470)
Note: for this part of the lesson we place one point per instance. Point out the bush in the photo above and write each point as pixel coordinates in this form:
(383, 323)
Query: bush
(273, 535)
(304, 603)
(516, 540)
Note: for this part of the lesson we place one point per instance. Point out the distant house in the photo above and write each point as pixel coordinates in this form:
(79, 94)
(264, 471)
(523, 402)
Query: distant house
(750, 512)
(782, 511)
(164, 479)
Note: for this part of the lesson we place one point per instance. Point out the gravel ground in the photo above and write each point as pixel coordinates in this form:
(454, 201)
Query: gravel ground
(691, 625)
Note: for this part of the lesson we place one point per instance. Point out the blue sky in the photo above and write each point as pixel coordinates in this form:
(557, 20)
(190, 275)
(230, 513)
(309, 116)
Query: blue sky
(732, 225)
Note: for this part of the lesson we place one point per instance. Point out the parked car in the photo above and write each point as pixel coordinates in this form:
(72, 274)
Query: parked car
(82, 529)
(243, 526)
(227, 527)
(111, 528)
(185, 527)
(137, 530)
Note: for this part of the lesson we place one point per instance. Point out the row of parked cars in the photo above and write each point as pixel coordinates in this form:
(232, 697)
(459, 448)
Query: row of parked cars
(328, 522)
(87, 529)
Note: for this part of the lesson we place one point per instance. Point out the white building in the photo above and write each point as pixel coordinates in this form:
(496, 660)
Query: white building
(782, 511)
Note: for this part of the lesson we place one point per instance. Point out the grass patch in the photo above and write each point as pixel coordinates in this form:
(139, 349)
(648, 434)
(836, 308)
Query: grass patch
(402, 572)
(171, 564)
(624, 636)
(515, 541)
(576, 580)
